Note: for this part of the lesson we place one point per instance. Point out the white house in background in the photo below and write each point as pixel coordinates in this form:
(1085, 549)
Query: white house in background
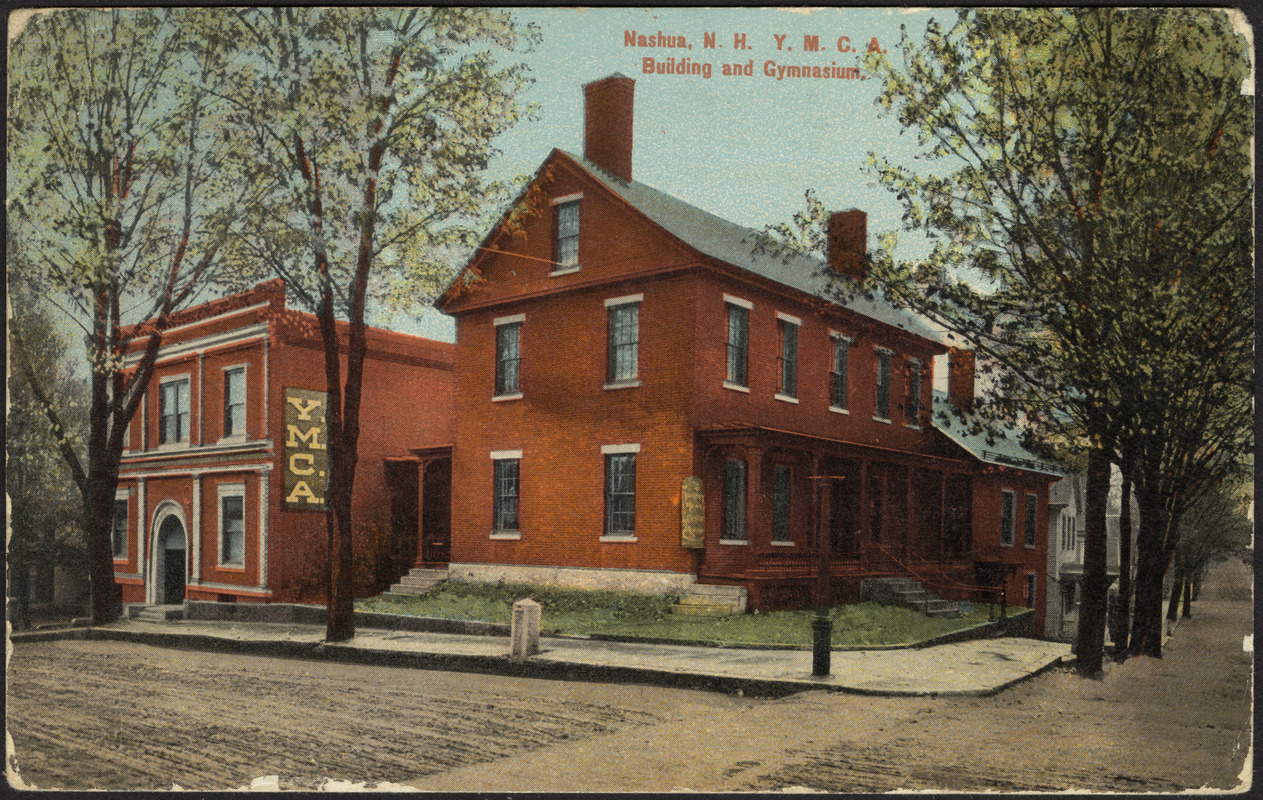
(1066, 532)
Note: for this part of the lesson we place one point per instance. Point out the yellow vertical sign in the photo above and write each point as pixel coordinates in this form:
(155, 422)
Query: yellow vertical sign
(306, 459)
(692, 514)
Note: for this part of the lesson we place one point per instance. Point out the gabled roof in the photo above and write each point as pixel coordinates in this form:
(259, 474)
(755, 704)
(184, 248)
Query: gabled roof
(1004, 449)
(733, 244)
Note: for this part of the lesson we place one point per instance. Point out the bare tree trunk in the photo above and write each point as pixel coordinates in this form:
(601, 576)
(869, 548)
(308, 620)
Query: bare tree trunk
(1090, 647)
(1177, 591)
(1186, 611)
(1122, 612)
(1155, 546)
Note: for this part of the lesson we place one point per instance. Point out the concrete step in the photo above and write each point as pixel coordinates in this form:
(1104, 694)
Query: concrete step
(702, 610)
(910, 593)
(418, 581)
(159, 613)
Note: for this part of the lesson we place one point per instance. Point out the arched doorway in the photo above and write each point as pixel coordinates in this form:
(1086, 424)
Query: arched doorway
(170, 569)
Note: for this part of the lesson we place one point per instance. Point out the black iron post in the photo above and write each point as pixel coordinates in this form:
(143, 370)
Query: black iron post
(821, 641)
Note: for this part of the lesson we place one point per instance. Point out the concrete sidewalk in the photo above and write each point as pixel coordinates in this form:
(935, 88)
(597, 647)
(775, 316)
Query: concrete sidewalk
(980, 667)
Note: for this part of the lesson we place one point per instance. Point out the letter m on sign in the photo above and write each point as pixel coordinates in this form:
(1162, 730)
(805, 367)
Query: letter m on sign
(811, 44)
(306, 459)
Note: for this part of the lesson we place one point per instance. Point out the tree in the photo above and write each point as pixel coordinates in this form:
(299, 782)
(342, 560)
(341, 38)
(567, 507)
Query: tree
(1087, 194)
(44, 512)
(120, 204)
(1212, 529)
(374, 126)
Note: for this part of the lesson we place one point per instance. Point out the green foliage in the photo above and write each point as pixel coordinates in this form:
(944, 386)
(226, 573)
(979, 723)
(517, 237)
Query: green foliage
(576, 611)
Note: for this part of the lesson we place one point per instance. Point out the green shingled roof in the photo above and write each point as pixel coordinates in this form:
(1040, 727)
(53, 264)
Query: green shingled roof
(1004, 449)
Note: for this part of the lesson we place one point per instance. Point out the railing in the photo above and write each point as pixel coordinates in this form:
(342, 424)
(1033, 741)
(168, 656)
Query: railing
(999, 592)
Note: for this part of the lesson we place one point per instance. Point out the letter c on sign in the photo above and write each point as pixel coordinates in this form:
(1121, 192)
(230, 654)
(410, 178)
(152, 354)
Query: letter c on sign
(308, 457)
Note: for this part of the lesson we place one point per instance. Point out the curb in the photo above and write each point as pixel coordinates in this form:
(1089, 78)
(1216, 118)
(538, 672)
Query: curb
(500, 665)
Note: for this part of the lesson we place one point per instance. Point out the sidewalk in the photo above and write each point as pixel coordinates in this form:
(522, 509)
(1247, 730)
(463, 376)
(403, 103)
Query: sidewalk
(979, 667)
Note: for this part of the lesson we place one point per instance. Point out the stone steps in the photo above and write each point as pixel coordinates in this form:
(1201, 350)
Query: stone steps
(158, 613)
(711, 600)
(907, 592)
(419, 581)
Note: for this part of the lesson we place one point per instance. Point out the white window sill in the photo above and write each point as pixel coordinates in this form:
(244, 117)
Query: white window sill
(619, 538)
(507, 535)
(631, 384)
(912, 426)
(1006, 544)
(236, 438)
(121, 560)
(734, 541)
(1030, 547)
(784, 398)
(837, 410)
(169, 446)
(501, 398)
(232, 567)
(736, 387)
(564, 271)
(775, 543)
(881, 419)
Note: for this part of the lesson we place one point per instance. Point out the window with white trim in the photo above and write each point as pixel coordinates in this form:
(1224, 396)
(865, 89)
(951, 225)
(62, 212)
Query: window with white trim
(567, 235)
(505, 492)
(1008, 517)
(235, 401)
(173, 410)
(914, 393)
(735, 500)
(788, 360)
(883, 384)
(232, 524)
(1032, 511)
(738, 344)
(624, 340)
(118, 527)
(838, 373)
(508, 356)
(620, 494)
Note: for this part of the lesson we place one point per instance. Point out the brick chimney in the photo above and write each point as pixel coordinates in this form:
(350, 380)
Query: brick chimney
(607, 123)
(848, 242)
(960, 379)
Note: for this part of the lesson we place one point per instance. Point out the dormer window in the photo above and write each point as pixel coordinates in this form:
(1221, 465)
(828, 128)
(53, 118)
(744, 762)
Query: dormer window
(566, 234)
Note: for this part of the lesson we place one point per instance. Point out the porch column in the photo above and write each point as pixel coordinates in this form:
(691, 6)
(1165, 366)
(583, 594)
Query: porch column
(421, 512)
(866, 532)
(195, 535)
(754, 494)
(265, 493)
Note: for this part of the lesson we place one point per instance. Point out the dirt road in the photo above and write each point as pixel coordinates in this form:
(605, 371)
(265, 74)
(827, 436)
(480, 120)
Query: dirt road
(114, 715)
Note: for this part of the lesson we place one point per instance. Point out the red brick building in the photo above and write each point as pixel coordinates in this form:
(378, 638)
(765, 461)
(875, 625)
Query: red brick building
(220, 490)
(646, 400)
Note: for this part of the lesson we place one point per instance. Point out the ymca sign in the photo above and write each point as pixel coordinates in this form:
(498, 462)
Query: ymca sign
(306, 459)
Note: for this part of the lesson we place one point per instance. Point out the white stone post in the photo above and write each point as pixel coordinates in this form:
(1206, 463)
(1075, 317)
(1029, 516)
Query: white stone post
(524, 632)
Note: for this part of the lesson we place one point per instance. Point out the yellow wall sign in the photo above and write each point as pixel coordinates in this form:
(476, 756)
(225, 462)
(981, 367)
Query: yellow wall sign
(306, 459)
(692, 514)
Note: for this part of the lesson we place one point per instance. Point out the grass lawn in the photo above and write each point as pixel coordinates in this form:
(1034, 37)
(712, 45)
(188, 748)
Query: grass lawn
(577, 611)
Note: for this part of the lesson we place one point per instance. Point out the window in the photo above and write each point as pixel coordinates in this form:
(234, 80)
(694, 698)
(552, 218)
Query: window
(780, 503)
(1067, 597)
(1008, 516)
(1032, 507)
(624, 340)
(173, 411)
(838, 375)
(883, 384)
(508, 356)
(914, 392)
(235, 401)
(567, 235)
(735, 501)
(1030, 590)
(788, 328)
(620, 494)
(232, 525)
(738, 343)
(504, 511)
(118, 531)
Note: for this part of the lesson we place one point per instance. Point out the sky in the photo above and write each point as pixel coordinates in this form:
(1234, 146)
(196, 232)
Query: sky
(745, 148)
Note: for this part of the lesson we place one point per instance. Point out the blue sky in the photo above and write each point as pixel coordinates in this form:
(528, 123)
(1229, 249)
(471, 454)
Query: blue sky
(744, 148)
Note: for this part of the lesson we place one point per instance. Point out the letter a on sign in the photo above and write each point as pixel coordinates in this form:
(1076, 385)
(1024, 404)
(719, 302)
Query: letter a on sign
(306, 459)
